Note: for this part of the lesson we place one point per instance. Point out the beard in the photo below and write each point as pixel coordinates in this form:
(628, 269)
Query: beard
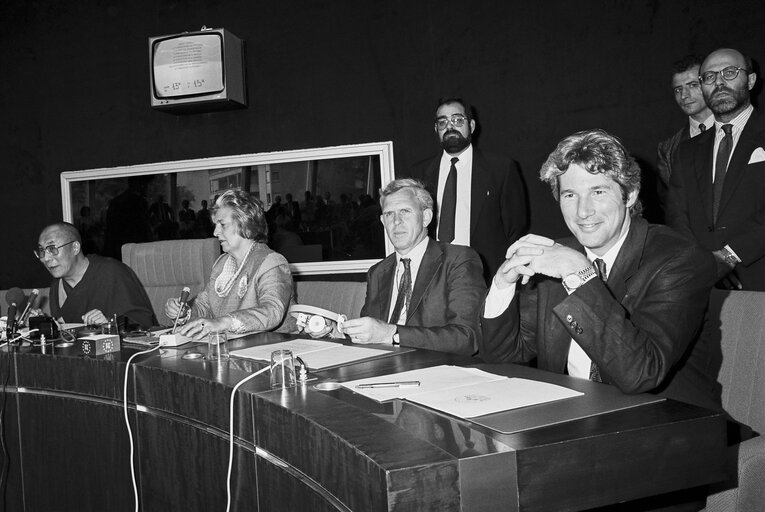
(454, 142)
(724, 100)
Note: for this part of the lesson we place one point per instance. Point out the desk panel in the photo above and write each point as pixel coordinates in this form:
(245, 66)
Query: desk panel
(303, 449)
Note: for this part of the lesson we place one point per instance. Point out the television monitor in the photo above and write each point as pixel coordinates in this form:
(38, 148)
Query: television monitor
(197, 71)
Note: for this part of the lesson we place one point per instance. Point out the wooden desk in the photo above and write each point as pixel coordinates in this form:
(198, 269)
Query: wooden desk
(303, 449)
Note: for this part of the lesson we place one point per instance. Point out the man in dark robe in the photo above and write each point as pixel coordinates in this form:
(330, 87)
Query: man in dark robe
(90, 289)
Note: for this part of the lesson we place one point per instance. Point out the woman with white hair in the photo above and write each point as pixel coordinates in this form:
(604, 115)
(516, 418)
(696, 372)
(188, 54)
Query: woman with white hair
(250, 285)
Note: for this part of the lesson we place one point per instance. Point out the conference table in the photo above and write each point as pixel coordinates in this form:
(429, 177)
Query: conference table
(67, 447)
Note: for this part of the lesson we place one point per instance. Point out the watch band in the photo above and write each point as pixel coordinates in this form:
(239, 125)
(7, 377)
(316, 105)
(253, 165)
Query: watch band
(574, 280)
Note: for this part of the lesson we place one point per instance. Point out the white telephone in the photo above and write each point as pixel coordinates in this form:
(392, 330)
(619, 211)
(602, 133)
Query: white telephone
(317, 322)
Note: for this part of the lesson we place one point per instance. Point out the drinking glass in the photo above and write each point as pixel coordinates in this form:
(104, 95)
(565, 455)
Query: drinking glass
(216, 347)
(282, 369)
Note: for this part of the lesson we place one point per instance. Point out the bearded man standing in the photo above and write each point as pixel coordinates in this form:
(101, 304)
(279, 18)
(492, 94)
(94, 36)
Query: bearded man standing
(718, 182)
(480, 197)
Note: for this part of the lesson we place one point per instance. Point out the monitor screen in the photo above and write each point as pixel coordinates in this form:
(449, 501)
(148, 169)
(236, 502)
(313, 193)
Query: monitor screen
(188, 65)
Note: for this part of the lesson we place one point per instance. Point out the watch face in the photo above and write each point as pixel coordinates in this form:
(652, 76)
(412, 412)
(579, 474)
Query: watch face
(572, 281)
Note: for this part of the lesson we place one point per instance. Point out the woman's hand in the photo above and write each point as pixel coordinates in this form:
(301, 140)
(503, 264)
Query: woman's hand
(199, 328)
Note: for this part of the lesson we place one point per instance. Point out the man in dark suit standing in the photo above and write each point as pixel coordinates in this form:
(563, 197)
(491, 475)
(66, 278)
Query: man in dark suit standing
(717, 188)
(480, 197)
(427, 294)
(687, 90)
(622, 303)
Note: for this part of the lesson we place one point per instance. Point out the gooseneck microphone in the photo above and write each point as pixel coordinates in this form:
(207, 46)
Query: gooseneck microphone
(34, 296)
(182, 306)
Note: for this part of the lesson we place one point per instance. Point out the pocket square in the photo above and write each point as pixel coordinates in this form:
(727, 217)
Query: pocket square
(758, 155)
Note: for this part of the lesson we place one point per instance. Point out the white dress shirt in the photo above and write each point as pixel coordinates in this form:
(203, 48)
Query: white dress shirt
(415, 260)
(464, 185)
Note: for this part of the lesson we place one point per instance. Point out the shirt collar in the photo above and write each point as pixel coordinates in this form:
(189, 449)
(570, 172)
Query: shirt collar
(609, 258)
(739, 121)
(694, 125)
(416, 254)
(464, 156)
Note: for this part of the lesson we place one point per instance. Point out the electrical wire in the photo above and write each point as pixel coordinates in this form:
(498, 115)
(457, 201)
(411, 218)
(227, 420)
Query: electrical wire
(231, 433)
(127, 421)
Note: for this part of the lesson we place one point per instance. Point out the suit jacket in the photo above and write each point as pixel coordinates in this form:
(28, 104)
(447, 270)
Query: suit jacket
(665, 153)
(498, 210)
(642, 327)
(741, 216)
(446, 299)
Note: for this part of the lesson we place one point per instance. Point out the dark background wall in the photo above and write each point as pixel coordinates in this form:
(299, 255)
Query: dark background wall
(74, 89)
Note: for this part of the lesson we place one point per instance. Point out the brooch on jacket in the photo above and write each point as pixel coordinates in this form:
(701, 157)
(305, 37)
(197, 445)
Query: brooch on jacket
(242, 289)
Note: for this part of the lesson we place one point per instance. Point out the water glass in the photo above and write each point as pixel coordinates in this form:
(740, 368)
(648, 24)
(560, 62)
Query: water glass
(282, 369)
(216, 347)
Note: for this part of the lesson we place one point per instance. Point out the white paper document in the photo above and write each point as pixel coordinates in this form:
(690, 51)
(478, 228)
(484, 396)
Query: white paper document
(462, 392)
(316, 354)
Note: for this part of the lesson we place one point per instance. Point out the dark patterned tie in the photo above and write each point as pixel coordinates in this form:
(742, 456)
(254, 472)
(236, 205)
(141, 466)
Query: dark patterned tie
(404, 294)
(702, 127)
(448, 205)
(600, 268)
(721, 166)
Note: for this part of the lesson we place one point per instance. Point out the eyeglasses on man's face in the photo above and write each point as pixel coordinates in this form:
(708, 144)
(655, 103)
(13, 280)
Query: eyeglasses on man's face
(50, 249)
(729, 73)
(456, 120)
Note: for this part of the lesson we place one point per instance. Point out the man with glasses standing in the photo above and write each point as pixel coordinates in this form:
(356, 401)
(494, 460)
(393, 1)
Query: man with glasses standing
(480, 197)
(90, 289)
(717, 188)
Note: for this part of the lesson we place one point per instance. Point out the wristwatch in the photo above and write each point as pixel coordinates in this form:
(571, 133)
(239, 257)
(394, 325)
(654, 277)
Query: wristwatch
(395, 339)
(729, 258)
(573, 281)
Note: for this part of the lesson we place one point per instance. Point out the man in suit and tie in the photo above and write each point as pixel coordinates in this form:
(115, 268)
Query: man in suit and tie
(687, 90)
(622, 302)
(480, 197)
(425, 295)
(717, 187)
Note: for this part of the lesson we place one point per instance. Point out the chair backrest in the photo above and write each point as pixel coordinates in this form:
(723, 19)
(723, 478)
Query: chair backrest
(343, 297)
(742, 374)
(166, 267)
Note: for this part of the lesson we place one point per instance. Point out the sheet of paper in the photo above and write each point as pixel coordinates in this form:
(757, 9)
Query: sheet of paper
(489, 397)
(435, 378)
(340, 354)
(316, 354)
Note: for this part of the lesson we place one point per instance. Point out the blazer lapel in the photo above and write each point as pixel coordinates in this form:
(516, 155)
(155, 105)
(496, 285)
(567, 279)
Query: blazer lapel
(385, 281)
(702, 155)
(430, 265)
(628, 259)
(479, 189)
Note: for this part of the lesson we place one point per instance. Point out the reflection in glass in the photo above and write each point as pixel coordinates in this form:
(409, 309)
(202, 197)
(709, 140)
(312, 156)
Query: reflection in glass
(317, 210)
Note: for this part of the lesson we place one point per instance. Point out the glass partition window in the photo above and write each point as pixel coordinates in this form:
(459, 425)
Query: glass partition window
(322, 205)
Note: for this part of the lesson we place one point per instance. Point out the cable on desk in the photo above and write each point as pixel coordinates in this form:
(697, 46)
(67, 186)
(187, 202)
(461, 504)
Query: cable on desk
(231, 433)
(127, 421)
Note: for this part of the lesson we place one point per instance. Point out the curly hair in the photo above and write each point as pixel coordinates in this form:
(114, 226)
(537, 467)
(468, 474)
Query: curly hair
(597, 152)
(246, 212)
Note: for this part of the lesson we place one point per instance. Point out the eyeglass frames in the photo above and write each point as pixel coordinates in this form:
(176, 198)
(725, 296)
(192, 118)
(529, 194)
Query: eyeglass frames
(456, 120)
(729, 73)
(50, 249)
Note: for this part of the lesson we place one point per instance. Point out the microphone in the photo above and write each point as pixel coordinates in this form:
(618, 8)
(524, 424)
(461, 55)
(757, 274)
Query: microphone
(15, 296)
(11, 325)
(34, 296)
(183, 300)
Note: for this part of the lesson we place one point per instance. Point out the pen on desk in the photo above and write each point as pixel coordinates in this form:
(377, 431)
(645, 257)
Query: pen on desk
(402, 384)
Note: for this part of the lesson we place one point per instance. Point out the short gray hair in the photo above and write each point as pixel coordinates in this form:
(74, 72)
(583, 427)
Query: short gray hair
(421, 194)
